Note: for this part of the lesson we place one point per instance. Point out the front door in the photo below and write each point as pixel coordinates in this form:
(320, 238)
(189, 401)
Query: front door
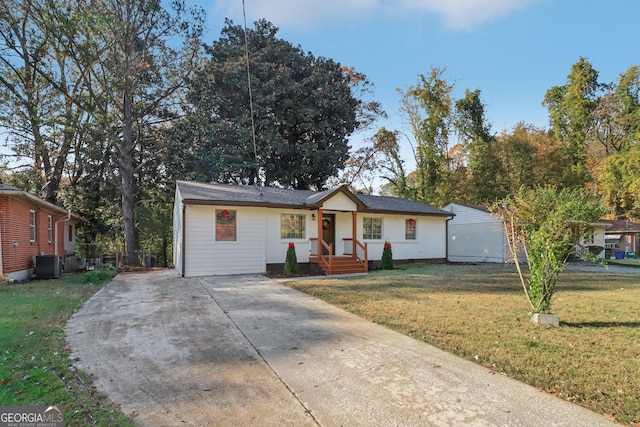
(328, 231)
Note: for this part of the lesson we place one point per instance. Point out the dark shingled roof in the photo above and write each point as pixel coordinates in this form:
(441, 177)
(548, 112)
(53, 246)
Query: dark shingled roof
(8, 190)
(618, 226)
(244, 195)
(399, 205)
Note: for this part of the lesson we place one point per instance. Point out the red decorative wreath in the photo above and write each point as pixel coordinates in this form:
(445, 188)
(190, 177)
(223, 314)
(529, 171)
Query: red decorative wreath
(326, 224)
(412, 221)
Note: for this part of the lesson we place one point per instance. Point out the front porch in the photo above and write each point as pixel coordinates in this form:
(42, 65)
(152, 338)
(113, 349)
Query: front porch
(336, 249)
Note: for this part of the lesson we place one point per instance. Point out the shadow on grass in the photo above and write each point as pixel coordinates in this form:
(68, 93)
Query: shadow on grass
(600, 324)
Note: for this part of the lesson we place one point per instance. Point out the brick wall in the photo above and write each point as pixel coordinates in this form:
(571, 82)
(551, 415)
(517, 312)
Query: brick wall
(14, 227)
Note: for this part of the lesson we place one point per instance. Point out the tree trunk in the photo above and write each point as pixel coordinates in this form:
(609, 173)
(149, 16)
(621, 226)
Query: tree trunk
(127, 185)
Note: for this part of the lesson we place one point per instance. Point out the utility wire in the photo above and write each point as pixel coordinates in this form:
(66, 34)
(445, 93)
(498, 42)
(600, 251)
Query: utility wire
(253, 123)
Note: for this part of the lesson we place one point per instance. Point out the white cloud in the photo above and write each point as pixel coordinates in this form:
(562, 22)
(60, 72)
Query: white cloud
(456, 14)
(296, 13)
(465, 14)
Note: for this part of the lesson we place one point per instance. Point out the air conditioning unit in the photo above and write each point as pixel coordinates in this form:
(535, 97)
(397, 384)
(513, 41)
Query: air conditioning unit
(47, 267)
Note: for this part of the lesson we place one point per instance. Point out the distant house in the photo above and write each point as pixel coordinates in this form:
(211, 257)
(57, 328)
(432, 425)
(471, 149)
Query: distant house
(234, 229)
(474, 235)
(29, 227)
(593, 240)
(622, 238)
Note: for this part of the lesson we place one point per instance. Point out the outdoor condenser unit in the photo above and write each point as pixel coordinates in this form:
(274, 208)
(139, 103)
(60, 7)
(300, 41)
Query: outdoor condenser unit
(47, 267)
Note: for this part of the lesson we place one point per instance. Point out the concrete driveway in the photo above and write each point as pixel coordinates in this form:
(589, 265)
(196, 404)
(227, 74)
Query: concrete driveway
(246, 350)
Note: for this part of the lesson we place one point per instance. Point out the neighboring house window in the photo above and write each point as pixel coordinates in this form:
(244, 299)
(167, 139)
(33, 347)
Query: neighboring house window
(292, 226)
(612, 242)
(410, 229)
(70, 232)
(589, 238)
(50, 228)
(372, 228)
(225, 225)
(32, 226)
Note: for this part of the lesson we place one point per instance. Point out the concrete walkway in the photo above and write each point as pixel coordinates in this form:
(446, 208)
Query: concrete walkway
(246, 350)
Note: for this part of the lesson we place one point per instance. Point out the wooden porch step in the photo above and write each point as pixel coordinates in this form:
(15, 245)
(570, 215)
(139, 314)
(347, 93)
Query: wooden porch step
(343, 265)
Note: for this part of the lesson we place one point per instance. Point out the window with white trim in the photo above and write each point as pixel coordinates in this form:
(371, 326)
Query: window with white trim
(372, 228)
(49, 228)
(410, 229)
(225, 225)
(292, 226)
(32, 226)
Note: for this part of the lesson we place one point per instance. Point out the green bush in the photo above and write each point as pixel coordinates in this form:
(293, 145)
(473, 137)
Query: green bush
(387, 257)
(291, 261)
(98, 276)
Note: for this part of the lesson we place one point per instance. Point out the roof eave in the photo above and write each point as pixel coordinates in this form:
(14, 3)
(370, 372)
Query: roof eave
(402, 212)
(41, 202)
(344, 190)
(244, 204)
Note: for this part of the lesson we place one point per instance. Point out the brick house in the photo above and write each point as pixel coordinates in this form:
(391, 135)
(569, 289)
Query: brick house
(31, 226)
(622, 238)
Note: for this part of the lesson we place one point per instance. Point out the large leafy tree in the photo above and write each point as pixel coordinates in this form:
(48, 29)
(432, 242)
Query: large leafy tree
(137, 55)
(571, 109)
(304, 109)
(475, 134)
(528, 157)
(428, 106)
(619, 182)
(615, 123)
(104, 73)
(42, 87)
(391, 163)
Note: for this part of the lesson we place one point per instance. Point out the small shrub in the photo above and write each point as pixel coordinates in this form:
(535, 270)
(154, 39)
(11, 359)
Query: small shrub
(99, 276)
(387, 257)
(291, 261)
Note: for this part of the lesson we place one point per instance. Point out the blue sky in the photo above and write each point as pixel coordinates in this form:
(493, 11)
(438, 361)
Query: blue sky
(512, 50)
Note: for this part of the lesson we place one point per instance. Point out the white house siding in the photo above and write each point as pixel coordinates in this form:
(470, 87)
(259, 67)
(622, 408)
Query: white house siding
(339, 202)
(430, 240)
(204, 256)
(276, 247)
(475, 236)
(177, 232)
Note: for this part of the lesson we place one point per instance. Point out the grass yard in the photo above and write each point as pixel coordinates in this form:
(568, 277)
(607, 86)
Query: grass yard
(35, 368)
(479, 312)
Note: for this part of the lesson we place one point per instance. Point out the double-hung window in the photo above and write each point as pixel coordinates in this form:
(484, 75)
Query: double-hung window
(49, 228)
(292, 226)
(371, 228)
(32, 226)
(225, 225)
(410, 229)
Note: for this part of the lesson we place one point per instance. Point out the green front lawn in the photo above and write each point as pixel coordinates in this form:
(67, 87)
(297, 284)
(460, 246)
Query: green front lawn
(479, 312)
(35, 365)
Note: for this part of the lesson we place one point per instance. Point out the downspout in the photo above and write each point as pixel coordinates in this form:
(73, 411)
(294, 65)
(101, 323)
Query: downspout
(184, 248)
(446, 240)
(55, 235)
(2, 278)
